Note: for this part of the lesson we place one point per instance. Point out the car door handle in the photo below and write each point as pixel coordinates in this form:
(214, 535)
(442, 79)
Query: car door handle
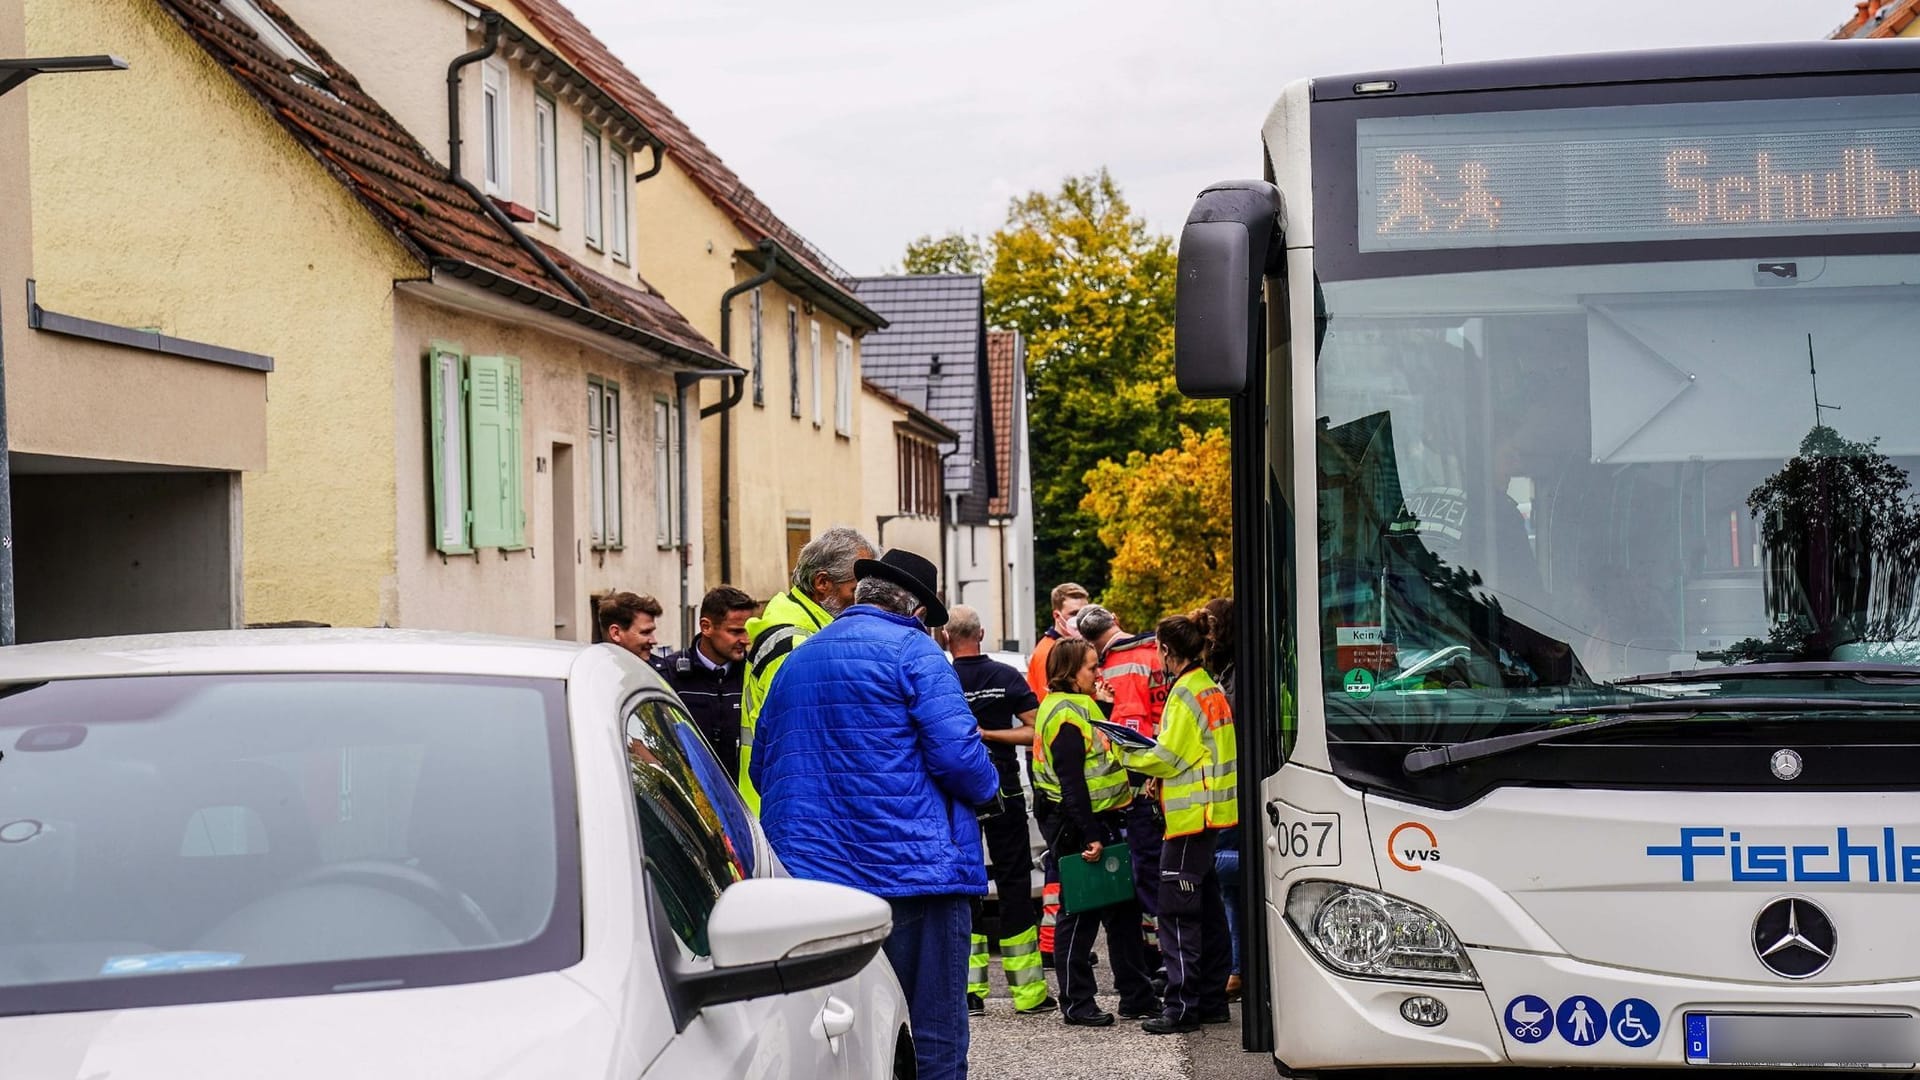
(836, 1018)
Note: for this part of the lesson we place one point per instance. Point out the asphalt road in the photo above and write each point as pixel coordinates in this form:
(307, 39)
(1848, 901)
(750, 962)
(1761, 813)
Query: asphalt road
(1042, 1048)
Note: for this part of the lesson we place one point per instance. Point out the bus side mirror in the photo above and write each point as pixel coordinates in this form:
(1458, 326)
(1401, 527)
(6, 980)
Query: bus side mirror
(1233, 240)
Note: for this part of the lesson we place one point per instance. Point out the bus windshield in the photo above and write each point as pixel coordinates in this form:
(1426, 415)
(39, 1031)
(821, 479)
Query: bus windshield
(1536, 483)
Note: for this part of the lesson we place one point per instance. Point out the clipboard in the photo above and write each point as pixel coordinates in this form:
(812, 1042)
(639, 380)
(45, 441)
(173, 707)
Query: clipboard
(1088, 886)
(1125, 737)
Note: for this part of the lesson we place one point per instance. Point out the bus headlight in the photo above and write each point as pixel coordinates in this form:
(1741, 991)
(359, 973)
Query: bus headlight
(1362, 932)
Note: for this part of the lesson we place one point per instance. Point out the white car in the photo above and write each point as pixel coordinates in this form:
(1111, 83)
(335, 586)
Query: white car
(307, 854)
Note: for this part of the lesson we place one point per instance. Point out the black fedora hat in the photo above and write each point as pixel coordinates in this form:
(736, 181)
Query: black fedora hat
(912, 573)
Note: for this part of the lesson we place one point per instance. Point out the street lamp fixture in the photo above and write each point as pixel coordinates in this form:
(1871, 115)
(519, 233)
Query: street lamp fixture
(15, 72)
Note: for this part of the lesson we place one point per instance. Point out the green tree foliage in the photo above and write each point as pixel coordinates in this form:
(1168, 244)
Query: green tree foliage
(1169, 519)
(1090, 287)
(953, 253)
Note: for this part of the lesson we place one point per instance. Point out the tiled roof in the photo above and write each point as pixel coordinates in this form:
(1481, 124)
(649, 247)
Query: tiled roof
(722, 184)
(409, 193)
(937, 317)
(1002, 354)
(914, 412)
(1879, 19)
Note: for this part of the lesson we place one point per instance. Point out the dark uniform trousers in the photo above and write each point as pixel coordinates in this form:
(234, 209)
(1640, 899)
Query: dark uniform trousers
(1193, 928)
(1145, 830)
(1073, 941)
(1009, 849)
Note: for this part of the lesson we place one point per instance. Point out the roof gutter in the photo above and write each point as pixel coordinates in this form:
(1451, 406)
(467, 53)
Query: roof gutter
(803, 280)
(770, 253)
(492, 21)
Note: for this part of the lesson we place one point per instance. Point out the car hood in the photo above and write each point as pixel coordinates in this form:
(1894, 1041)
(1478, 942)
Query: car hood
(534, 1027)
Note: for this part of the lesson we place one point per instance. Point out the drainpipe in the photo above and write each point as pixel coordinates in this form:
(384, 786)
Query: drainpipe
(492, 21)
(949, 519)
(659, 162)
(724, 406)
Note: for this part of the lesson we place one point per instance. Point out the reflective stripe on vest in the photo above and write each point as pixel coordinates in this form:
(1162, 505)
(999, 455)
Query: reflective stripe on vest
(1204, 795)
(1106, 781)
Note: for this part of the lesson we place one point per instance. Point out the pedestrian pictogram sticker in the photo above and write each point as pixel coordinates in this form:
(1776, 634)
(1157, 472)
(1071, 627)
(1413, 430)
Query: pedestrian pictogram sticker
(1581, 1020)
(1634, 1022)
(1528, 1019)
(1359, 683)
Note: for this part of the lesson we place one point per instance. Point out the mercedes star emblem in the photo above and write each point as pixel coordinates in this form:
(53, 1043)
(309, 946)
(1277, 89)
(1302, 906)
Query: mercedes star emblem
(1786, 764)
(1794, 938)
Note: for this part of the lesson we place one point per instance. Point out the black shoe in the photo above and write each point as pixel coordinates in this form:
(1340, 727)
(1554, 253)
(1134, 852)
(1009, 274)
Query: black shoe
(1159, 984)
(1047, 1005)
(1099, 1019)
(1224, 1016)
(976, 1005)
(1167, 1025)
(1142, 1012)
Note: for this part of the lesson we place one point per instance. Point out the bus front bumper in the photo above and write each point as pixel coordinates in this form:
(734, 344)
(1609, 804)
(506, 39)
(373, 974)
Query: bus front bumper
(1330, 1021)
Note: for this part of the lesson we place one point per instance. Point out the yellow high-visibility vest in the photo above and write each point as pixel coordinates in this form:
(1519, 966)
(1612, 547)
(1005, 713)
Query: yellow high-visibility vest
(1194, 758)
(787, 620)
(1106, 779)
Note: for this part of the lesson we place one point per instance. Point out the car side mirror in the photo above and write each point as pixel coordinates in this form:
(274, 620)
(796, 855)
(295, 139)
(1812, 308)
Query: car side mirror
(1233, 240)
(782, 935)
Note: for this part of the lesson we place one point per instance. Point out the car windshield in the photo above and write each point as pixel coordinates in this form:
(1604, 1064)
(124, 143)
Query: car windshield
(1534, 484)
(200, 838)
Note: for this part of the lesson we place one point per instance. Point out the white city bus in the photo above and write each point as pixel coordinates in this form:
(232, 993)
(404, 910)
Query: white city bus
(1574, 409)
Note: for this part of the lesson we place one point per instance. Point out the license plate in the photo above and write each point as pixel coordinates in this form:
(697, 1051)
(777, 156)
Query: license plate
(1809, 1040)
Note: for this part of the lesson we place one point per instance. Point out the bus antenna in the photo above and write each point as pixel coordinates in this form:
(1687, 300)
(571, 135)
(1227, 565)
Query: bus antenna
(1440, 26)
(1813, 374)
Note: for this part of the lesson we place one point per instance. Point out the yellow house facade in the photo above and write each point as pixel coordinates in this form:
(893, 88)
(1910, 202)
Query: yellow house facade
(463, 426)
(781, 449)
(900, 471)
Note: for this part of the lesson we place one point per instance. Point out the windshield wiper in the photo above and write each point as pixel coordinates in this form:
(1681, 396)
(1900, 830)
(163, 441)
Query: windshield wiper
(1620, 713)
(1801, 669)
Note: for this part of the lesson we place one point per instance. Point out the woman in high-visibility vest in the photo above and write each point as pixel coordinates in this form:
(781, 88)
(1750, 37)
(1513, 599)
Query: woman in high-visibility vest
(1075, 765)
(1193, 758)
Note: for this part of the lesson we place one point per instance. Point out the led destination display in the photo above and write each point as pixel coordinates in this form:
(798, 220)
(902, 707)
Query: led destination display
(1660, 172)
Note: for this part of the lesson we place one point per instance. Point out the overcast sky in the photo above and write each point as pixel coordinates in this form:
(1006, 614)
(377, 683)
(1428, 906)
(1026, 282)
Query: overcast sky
(866, 123)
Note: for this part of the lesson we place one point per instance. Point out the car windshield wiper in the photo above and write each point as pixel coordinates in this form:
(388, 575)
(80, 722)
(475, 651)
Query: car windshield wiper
(1617, 714)
(1802, 669)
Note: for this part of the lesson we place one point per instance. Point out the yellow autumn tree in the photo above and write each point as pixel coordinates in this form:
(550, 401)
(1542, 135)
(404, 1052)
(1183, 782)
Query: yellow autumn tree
(1169, 519)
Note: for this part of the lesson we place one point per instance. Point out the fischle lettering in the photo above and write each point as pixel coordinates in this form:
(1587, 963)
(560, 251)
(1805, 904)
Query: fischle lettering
(1714, 853)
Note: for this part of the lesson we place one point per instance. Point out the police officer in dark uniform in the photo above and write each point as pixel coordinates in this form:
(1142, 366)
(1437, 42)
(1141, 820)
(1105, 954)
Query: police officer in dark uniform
(709, 676)
(999, 695)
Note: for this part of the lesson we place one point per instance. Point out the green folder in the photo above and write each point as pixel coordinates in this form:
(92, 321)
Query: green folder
(1085, 885)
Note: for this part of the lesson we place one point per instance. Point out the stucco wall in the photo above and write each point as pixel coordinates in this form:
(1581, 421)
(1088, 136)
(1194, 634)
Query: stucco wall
(783, 468)
(514, 592)
(880, 482)
(166, 196)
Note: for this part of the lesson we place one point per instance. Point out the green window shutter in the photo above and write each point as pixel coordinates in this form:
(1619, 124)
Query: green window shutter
(491, 431)
(446, 415)
(516, 480)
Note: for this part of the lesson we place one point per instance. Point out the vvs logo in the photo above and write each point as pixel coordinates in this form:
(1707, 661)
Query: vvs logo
(1411, 844)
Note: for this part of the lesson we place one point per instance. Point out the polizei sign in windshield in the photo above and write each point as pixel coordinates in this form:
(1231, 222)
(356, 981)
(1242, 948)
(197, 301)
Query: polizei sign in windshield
(1663, 172)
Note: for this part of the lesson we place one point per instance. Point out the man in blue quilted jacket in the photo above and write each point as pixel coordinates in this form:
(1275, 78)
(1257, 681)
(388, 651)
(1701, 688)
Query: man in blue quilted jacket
(869, 765)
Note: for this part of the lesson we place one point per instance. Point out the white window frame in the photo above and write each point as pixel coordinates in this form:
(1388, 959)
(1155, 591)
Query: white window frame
(842, 384)
(496, 152)
(813, 372)
(271, 35)
(546, 164)
(759, 370)
(452, 526)
(603, 464)
(591, 207)
(619, 205)
(666, 466)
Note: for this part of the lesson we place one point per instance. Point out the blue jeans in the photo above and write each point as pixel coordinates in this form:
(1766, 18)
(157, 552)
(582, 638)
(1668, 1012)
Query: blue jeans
(928, 950)
(1226, 863)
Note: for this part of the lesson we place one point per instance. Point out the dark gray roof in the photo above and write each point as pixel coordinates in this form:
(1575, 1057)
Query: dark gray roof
(943, 317)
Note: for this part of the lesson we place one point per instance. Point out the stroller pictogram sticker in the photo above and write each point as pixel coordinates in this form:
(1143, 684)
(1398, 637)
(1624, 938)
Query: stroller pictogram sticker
(1529, 1019)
